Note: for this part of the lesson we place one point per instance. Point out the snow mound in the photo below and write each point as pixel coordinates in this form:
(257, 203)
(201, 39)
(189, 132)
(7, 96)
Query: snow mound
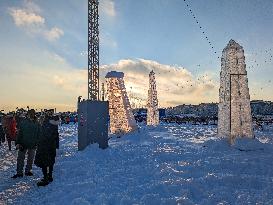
(219, 144)
(250, 145)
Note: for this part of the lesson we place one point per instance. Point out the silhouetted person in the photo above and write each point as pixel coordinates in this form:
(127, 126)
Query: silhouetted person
(26, 142)
(10, 129)
(46, 151)
(2, 134)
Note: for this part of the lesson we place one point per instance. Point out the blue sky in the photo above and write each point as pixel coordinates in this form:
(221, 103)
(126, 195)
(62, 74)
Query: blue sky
(44, 43)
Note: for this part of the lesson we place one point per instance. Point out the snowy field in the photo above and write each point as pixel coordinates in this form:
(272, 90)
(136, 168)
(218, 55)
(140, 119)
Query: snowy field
(168, 164)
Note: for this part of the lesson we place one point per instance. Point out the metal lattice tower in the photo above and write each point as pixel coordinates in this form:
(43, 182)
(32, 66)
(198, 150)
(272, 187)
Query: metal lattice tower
(93, 50)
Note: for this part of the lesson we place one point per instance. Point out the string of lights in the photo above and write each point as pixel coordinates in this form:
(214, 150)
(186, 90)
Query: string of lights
(200, 27)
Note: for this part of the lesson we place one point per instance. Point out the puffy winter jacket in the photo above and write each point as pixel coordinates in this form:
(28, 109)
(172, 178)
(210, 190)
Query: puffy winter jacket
(11, 128)
(28, 134)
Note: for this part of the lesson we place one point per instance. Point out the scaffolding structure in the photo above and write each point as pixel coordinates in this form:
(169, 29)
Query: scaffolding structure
(93, 50)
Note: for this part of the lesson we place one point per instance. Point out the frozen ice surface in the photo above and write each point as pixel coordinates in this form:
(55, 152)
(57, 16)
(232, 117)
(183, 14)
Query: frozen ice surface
(167, 164)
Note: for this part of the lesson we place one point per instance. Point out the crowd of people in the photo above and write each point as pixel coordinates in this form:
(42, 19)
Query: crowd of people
(37, 137)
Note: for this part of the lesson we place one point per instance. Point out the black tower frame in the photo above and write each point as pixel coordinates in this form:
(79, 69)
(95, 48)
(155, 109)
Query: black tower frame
(93, 50)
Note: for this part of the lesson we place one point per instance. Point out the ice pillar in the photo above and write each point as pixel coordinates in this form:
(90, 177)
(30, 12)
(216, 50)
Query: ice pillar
(234, 112)
(152, 104)
(121, 116)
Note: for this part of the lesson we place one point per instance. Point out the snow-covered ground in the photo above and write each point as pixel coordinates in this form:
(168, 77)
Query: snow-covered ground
(168, 164)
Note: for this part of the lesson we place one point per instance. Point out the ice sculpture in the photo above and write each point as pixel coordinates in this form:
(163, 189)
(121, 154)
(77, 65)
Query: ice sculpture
(121, 116)
(152, 104)
(234, 112)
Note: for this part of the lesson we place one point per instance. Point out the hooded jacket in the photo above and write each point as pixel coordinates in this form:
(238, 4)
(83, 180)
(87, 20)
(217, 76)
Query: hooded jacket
(47, 144)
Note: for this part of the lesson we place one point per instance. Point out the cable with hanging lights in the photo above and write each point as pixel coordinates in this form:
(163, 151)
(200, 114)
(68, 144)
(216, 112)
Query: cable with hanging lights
(200, 27)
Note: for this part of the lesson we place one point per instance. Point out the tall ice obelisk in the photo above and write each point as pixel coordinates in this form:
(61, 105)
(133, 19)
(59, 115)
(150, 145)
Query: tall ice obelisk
(234, 112)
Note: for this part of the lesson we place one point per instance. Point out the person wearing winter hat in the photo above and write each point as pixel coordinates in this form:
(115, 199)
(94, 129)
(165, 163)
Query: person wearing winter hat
(26, 142)
(46, 151)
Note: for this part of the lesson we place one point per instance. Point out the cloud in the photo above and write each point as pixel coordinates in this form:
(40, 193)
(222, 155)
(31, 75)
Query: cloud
(57, 58)
(29, 19)
(108, 8)
(48, 81)
(53, 82)
(54, 34)
(60, 83)
(31, 6)
(24, 18)
(175, 84)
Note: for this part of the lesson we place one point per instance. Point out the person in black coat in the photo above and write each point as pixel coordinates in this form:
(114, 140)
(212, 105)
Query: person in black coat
(2, 134)
(46, 151)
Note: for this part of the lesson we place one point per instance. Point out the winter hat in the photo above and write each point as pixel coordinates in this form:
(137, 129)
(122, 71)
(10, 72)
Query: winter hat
(31, 113)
